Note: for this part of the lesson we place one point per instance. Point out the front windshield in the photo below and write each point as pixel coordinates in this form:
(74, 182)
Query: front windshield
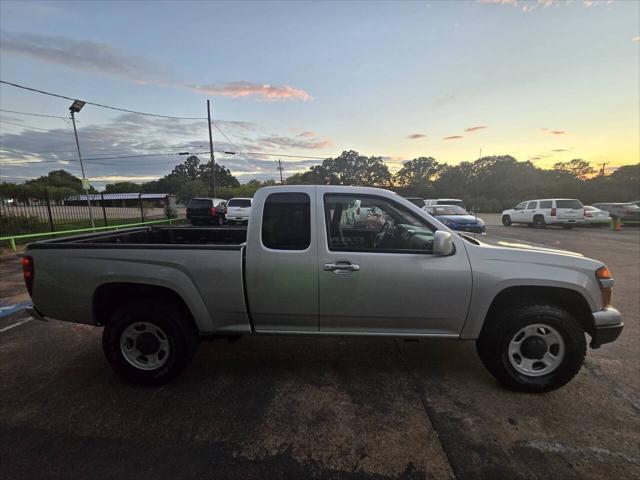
(449, 210)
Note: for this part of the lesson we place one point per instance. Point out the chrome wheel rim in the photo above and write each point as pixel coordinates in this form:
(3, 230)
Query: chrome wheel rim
(145, 345)
(536, 350)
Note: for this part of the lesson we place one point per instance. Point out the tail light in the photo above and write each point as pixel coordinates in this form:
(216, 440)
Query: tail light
(606, 285)
(28, 272)
(586, 214)
(553, 212)
(214, 211)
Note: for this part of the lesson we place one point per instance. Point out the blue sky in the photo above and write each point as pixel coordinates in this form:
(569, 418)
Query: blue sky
(548, 81)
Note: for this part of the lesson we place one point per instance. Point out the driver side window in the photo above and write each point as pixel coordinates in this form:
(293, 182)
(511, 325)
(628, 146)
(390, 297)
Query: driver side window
(374, 224)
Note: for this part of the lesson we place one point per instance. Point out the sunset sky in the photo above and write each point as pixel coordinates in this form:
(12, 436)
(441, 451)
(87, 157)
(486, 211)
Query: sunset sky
(543, 81)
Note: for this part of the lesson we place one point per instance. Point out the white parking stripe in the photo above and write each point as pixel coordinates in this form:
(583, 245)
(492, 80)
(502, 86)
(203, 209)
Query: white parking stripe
(15, 325)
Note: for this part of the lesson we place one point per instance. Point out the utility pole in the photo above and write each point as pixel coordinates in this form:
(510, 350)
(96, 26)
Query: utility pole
(76, 107)
(280, 170)
(602, 168)
(213, 161)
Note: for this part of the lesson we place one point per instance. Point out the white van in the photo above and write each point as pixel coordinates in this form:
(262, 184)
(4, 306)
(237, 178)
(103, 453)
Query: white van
(548, 211)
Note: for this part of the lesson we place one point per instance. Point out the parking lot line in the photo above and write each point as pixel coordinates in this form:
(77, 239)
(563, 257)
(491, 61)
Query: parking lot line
(15, 325)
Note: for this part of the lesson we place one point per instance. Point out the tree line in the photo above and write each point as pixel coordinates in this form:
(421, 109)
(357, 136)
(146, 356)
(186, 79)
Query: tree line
(489, 184)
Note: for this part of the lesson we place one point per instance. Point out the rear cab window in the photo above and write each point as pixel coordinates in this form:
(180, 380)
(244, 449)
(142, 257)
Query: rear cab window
(200, 203)
(573, 204)
(239, 202)
(286, 221)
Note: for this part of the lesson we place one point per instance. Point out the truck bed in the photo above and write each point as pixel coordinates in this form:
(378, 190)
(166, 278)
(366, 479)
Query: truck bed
(150, 237)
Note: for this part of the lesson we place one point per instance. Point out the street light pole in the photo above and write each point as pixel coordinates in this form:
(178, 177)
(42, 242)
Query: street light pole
(213, 162)
(76, 107)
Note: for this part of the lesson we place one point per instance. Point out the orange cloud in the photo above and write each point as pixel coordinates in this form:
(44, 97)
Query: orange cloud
(554, 132)
(307, 134)
(453, 137)
(415, 136)
(473, 129)
(249, 89)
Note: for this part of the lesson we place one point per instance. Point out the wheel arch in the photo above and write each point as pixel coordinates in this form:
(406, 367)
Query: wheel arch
(109, 297)
(570, 300)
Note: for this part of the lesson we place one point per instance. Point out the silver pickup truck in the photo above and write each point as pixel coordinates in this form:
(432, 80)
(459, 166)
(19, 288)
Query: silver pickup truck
(303, 266)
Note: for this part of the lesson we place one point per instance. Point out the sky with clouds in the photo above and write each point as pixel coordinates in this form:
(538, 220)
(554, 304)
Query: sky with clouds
(545, 81)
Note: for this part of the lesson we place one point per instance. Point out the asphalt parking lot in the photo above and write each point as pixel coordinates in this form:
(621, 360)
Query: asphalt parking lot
(283, 407)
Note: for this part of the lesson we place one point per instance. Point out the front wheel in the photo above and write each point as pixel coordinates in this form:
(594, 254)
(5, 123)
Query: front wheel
(535, 348)
(149, 342)
(506, 220)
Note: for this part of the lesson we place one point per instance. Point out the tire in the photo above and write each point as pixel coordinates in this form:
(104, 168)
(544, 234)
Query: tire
(538, 221)
(493, 347)
(506, 220)
(174, 333)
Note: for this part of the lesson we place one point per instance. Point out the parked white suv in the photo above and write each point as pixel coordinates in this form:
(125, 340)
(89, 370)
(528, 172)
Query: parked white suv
(548, 211)
(238, 210)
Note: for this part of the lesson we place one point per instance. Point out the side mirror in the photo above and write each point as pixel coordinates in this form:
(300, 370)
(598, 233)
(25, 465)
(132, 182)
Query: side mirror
(442, 243)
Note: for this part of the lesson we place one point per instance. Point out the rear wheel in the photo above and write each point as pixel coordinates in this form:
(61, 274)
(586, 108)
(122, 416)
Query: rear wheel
(149, 342)
(538, 221)
(506, 220)
(534, 348)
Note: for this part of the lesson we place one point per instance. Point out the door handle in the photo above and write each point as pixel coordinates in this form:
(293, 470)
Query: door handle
(341, 267)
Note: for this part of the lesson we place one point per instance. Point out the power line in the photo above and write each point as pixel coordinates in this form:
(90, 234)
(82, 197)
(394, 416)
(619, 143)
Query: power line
(36, 128)
(100, 104)
(106, 158)
(33, 114)
(282, 155)
(128, 149)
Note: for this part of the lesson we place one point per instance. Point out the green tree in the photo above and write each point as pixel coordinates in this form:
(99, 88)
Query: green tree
(419, 171)
(123, 187)
(350, 168)
(224, 178)
(580, 169)
(59, 178)
(316, 175)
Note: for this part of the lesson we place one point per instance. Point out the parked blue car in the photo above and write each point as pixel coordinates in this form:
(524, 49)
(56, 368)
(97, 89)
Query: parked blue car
(457, 218)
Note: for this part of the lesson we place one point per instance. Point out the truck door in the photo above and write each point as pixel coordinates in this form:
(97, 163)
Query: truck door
(281, 266)
(381, 276)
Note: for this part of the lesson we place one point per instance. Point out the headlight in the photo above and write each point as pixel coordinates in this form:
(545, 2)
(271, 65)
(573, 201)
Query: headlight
(606, 284)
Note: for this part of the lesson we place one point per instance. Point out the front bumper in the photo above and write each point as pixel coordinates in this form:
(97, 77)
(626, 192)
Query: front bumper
(468, 228)
(608, 326)
(598, 221)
